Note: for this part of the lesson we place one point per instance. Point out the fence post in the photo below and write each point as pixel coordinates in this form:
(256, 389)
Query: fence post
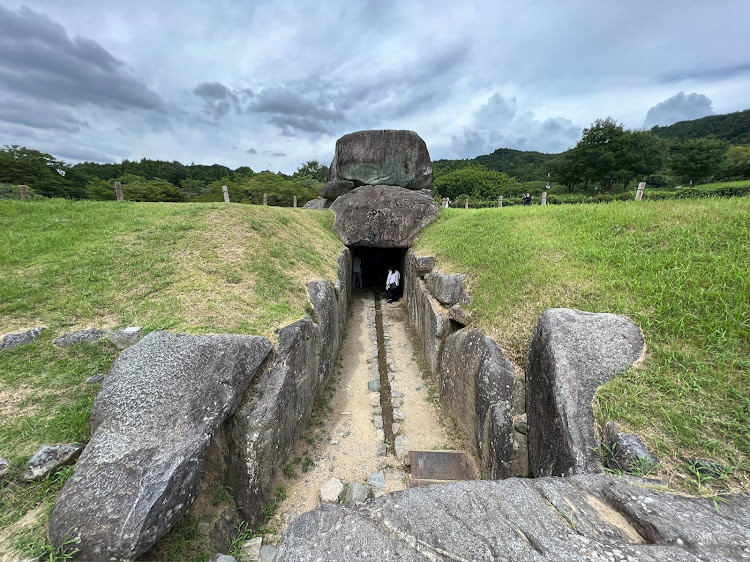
(544, 198)
(295, 201)
(639, 192)
(466, 204)
(225, 190)
(265, 198)
(500, 201)
(24, 191)
(118, 191)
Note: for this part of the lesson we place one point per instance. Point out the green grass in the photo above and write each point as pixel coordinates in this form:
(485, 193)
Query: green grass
(194, 268)
(679, 269)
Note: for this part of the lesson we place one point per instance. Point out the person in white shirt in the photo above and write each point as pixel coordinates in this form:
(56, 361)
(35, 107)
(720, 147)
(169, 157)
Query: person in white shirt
(391, 283)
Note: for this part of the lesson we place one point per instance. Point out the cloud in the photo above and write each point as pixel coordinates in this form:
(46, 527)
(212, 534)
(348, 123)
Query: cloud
(218, 99)
(679, 107)
(291, 108)
(38, 60)
(251, 151)
(38, 115)
(720, 73)
(499, 124)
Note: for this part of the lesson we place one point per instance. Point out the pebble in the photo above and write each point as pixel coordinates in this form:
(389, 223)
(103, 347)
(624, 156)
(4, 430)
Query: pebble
(377, 480)
(378, 421)
(382, 450)
(267, 553)
(378, 410)
(398, 415)
(373, 386)
(396, 427)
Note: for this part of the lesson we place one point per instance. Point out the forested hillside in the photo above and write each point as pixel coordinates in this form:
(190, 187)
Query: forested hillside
(731, 127)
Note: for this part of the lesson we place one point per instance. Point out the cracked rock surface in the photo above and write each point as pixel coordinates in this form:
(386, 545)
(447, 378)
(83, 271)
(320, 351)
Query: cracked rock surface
(583, 517)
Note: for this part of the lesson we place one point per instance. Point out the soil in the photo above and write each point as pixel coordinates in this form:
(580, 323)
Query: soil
(347, 443)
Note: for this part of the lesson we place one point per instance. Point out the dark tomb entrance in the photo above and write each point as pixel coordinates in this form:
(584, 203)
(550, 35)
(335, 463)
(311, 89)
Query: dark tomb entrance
(375, 264)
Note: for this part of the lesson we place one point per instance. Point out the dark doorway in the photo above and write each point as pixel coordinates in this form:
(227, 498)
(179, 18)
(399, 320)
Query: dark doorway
(375, 264)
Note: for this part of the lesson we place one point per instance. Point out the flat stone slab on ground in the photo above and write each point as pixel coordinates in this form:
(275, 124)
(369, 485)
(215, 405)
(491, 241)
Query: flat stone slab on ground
(9, 341)
(357, 493)
(89, 336)
(49, 459)
(582, 518)
(332, 491)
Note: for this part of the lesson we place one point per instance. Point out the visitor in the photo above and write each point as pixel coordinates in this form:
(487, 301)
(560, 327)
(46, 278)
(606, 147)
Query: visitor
(357, 269)
(391, 284)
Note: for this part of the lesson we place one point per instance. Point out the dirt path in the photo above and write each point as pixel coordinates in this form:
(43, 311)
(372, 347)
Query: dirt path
(347, 445)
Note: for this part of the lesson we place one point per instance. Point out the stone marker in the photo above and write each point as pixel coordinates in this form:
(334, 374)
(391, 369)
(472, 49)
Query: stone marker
(640, 190)
(24, 191)
(500, 201)
(544, 198)
(151, 426)
(49, 459)
(332, 491)
(582, 518)
(225, 191)
(571, 353)
(9, 341)
(294, 202)
(118, 191)
(265, 198)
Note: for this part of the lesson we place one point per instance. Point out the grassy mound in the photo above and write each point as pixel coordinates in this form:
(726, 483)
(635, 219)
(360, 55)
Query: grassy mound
(679, 269)
(193, 268)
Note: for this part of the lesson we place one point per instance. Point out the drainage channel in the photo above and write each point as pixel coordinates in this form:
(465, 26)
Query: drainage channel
(385, 382)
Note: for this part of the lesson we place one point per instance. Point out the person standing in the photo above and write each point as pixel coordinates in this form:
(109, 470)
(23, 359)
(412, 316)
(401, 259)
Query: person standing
(357, 269)
(391, 283)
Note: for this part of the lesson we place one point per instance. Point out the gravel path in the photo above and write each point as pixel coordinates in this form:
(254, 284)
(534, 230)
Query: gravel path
(348, 446)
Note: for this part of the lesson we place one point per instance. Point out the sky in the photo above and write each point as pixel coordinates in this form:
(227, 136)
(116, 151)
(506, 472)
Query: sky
(273, 84)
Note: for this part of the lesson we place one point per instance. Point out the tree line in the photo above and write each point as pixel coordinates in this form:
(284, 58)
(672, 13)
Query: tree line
(155, 180)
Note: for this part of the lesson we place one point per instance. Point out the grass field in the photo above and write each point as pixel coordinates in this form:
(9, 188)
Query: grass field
(194, 268)
(679, 269)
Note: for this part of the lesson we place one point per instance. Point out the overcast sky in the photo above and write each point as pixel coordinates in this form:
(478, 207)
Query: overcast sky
(272, 84)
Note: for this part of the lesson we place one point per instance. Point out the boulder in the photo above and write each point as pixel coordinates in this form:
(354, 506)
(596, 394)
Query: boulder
(336, 188)
(424, 264)
(382, 216)
(152, 422)
(447, 289)
(317, 203)
(582, 518)
(9, 341)
(626, 452)
(382, 158)
(271, 418)
(460, 315)
(571, 354)
(92, 335)
(480, 390)
(49, 459)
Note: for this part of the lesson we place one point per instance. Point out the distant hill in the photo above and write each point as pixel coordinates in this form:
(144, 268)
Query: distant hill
(524, 165)
(732, 127)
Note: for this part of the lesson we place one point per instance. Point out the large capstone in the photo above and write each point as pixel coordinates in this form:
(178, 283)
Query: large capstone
(382, 158)
(571, 354)
(152, 422)
(583, 518)
(382, 216)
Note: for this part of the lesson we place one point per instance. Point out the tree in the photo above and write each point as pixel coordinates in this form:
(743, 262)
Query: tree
(40, 171)
(737, 163)
(567, 169)
(313, 169)
(599, 151)
(696, 159)
(476, 181)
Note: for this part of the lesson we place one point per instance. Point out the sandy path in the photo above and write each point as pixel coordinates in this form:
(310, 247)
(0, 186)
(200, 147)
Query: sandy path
(346, 445)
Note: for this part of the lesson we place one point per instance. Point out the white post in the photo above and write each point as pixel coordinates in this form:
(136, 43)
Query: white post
(118, 191)
(544, 198)
(265, 198)
(295, 201)
(24, 191)
(225, 189)
(639, 192)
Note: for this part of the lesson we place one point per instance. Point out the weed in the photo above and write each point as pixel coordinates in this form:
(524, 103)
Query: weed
(643, 466)
(270, 507)
(289, 471)
(244, 534)
(307, 463)
(53, 553)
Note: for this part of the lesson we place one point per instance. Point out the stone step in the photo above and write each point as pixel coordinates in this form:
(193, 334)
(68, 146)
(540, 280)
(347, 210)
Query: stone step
(437, 467)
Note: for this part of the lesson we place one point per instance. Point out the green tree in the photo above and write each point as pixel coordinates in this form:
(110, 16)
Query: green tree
(312, 169)
(737, 164)
(697, 159)
(38, 170)
(476, 181)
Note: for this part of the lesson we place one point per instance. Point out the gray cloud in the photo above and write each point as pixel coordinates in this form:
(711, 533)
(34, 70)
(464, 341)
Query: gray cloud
(720, 73)
(251, 151)
(218, 99)
(39, 115)
(679, 107)
(37, 59)
(498, 124)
